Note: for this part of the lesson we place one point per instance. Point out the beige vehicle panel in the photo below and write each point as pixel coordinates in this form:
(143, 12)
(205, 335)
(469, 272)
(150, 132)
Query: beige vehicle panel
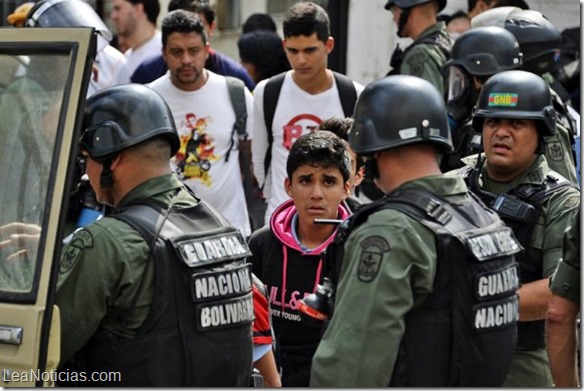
(43, 83)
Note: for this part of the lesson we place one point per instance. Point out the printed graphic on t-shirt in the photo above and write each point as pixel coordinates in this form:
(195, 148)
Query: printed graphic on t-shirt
(297, 126)
(196, 153)
(286, 308)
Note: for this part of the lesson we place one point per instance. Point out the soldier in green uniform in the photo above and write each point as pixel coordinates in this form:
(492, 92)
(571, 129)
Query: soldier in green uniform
(431, 48)
(540, 42)
(407, 310)
(515, 113)
(474, 59)
(119, 292)
(563, 310)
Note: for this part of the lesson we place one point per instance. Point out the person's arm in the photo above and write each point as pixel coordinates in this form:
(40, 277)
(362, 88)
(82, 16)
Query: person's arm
(361, 343)
(534, 297)
(259, 134)
(533, 300)
(561, 340)
(561, 317)
(267, 367)
(93, 274)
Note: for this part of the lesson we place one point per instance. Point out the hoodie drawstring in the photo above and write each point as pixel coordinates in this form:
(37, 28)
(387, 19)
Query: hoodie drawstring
(284, 276)
(284, 269)
(318, 270)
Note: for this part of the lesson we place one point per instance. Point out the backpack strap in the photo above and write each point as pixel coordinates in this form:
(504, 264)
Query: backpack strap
(271, 96)
(145, 219)
(347, 93)
(419, 204)
(425, 206)
(236, 90)
(345, 88)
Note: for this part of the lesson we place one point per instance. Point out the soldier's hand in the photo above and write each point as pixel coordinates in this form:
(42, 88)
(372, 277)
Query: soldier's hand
(22, 240)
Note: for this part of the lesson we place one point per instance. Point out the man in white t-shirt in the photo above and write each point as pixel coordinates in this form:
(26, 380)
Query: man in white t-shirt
(109, 61)
(135, 22)
(208, 158)
(309, 95)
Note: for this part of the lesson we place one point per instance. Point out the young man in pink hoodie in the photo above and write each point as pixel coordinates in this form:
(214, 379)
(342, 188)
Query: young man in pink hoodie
(288, 253)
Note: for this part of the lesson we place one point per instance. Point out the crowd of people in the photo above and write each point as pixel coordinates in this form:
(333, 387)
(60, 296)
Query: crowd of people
(434, 211)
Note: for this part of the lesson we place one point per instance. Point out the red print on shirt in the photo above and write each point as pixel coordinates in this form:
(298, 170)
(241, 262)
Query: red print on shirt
(299, 125)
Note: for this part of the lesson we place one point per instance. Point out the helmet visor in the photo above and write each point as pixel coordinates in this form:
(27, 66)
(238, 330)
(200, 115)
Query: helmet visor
(458, 83)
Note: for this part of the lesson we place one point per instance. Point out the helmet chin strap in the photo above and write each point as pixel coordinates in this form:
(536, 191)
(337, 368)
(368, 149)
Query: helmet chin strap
(403, 19)
(371, 169)
(106, 181)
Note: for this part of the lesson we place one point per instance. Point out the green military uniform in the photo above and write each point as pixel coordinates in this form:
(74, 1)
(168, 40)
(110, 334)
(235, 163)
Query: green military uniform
(426, 60)
(104, 267)
(530, 368)
(558, 148)
(360, 345)
(566, 280)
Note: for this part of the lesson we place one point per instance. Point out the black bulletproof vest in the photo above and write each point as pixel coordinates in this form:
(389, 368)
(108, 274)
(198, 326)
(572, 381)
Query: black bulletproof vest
(465, 331)
(198, 332)
(520, 209)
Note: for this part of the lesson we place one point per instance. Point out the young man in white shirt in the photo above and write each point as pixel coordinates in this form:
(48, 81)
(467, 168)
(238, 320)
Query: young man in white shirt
(309, 94)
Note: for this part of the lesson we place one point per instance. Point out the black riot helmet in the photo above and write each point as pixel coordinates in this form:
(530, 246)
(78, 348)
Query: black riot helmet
(516, 94)
(121, 116)
(480, 52)
(493, 17)
(406, 4)
(540, 41)
(68, 13)
(399, 110)
(484, 51)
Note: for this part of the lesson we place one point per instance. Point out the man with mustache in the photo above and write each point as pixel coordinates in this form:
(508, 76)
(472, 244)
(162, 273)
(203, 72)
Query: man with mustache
(208, 159)
(514, 113)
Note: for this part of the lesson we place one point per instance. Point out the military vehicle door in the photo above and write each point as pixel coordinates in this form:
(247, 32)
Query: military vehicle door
(44, 74)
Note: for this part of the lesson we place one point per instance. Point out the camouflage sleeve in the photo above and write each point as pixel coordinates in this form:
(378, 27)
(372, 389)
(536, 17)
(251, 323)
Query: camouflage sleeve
(566, 280)
(97, 271)
(561, 208)
(386, 261)
(422, 61)
(558, 153)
